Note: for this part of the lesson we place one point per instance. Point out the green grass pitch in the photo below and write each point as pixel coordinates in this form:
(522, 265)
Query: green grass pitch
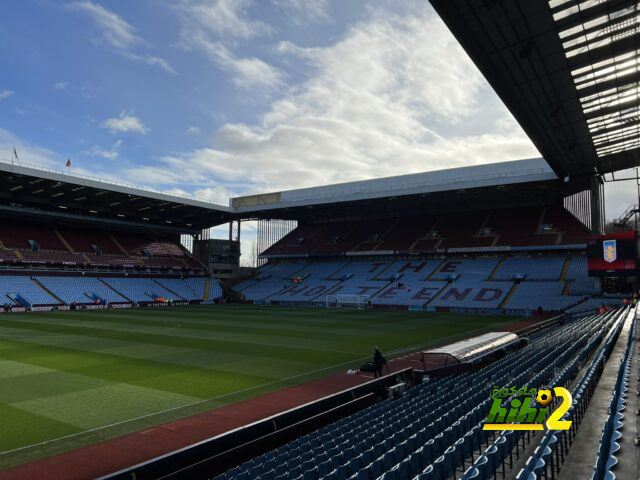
(68, 379)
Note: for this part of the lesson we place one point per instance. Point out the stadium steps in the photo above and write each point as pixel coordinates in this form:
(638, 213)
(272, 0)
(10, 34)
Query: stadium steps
(578, 462)
(565, 270)
(427, 236)
(119, 293)
(496, 270)
(541, 218)
(49, 292)
(511, 293)
(382, 236)
(331, 277)
(436, 271)
(157, 282)
(207, 289)
(119, 245)
(438, 293)
(63, 240)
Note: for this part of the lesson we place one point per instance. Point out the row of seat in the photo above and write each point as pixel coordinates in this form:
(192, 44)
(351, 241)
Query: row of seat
(478, 283)
(609, 447)
(496, 454)
(38, 290)
(430, 431)
(548, 457)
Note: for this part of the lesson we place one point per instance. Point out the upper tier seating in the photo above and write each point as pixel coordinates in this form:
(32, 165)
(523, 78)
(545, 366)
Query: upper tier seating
(18, 236)
(527, 226)
(95, 248)
(51, 257)
(84, 240)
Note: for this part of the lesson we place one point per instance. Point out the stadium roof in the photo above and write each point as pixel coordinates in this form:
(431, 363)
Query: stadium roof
(568, 70)
(38, 193)
(509, 183)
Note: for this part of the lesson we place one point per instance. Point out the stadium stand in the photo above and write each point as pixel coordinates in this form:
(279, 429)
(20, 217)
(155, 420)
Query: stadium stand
(534, 226)
(140, 289)
(23, 291)
(467, 269)
(609, 445)
(473, 294)
(38, 290)
(510, 283)
(80, 290)
(547, 295)
(548, 457)
(414, 293)
(435, 431)
(540, 268)
(22, 244)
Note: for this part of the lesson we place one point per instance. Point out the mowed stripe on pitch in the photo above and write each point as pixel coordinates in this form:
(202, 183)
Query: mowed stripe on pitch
(76, 371)
(252, 349)
(20, 428)
(191, 381)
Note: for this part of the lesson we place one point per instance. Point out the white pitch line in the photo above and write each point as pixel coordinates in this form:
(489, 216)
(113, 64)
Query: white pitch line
(199, 402)
(73, 435)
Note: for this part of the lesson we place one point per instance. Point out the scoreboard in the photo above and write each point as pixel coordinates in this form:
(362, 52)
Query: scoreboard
(614, 254)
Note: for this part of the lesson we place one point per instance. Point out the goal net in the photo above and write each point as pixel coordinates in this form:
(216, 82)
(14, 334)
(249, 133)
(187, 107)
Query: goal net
(346, 300)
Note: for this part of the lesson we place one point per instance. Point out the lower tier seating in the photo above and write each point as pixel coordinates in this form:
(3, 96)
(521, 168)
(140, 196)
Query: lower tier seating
(55, 290)
(522, 283)
(435, 430)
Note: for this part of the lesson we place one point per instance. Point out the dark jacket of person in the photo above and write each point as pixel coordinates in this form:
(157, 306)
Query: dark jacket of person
(378, 360)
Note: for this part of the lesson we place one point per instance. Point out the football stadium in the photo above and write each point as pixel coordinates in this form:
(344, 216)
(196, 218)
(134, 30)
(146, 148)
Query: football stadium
(501, 305)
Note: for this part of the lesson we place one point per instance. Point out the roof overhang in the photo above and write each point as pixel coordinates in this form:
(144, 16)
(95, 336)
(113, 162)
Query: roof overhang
(568, 70)
(522, 182)
(31, 192)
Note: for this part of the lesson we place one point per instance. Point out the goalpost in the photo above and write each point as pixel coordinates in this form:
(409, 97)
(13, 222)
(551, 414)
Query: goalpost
(347, 300)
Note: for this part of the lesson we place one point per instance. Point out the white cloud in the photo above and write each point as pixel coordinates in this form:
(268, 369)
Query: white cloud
(222, 18)
(60, 85)
(125, 123)
(210, 27)
(119, 35)
(303, 12)
(5, 94)
(247, 73)
(110, 153)
(193, 130)
(27, 153)
(396, 94)
(218, 194)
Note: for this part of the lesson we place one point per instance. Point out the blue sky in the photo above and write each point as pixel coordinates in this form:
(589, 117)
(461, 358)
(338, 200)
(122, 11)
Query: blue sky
(217, 98)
